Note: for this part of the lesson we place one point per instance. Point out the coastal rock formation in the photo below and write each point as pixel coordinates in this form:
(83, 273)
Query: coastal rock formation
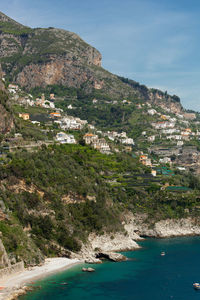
(112, 242)
(112, 256)
(105, 246)
(172, 228)
(163, 228)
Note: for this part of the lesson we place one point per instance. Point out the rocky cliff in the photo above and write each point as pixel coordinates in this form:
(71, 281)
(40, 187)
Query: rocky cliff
(141, 225)
(41, 57)
(136, 227)
(38, 57)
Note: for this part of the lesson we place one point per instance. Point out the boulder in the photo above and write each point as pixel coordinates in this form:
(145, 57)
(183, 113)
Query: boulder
(88, 270)
(113, 256)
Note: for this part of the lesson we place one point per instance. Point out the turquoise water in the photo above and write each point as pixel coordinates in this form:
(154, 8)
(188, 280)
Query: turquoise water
(145, 276)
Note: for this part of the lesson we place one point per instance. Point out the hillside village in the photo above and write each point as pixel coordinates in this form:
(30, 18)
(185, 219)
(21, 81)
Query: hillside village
(172, 139)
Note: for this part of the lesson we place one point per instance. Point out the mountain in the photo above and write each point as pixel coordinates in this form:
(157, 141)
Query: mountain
(48, 56)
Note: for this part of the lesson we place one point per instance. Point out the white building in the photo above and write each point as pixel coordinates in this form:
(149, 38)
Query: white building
(127, 141)
(152, 112)
(170, 131)
(165, 160)
(180, 143)
(151, 138)
(163, 125)
(64, 138)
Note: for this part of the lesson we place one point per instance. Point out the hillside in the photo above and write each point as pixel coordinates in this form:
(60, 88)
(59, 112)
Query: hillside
(6, 119)
(57, 189)
(85, 153)
(40, 57)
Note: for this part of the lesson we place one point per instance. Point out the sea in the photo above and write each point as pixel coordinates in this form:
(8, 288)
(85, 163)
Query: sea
(146, 275)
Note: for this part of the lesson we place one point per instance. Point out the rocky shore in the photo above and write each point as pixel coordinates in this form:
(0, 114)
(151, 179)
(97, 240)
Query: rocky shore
(144, 227)
(15, 285)
(136, 227)
(100, 247)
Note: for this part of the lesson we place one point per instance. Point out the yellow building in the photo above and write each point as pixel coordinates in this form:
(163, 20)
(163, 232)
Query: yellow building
(24, 116)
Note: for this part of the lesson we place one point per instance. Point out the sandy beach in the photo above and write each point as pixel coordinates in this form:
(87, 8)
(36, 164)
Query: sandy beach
(15, 285)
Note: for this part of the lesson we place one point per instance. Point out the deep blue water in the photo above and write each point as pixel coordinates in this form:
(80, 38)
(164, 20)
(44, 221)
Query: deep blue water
(145, 276)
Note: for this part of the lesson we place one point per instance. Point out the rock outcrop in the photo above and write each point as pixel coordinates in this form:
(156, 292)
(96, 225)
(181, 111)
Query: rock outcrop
(145, 227)
(106, 246)
(112, 256)
(40, 57)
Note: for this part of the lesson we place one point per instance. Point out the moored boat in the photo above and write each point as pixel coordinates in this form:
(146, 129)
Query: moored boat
(196, 286)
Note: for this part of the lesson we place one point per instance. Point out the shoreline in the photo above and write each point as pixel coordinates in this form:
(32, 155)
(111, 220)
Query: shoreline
(15, 285)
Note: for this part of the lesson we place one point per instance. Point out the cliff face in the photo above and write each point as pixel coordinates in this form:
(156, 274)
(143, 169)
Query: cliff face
(41, 57)
(58, 70)
(38, 57)
(141, 225)
(165, 101)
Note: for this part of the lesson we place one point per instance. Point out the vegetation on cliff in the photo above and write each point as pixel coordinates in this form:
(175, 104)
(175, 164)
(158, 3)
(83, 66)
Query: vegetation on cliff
(52, 198)
(59, 194)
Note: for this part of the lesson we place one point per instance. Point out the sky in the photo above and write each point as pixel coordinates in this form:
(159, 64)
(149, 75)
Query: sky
(154, 42)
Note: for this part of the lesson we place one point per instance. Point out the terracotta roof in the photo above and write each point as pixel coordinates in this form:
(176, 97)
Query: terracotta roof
(143, 156)
(89, 134)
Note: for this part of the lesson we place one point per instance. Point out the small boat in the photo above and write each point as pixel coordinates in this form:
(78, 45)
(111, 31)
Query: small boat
(196, 286)
(162, 253)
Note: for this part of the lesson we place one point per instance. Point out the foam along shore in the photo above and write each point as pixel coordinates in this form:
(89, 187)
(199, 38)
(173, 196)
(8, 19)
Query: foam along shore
(14, 285)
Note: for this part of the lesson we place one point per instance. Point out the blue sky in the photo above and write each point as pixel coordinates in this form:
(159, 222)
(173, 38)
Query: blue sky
(155, 42)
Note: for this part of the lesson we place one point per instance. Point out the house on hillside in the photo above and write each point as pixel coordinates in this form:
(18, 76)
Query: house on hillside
(145, 160)
(152, 112)
(151, 138)
(165, 160)
(24, 116)
(13, 88)
(163, 125)
(55, 115)
(64, 138)
(127, 141)
(101, 145)
(52, 96)
(90, 138)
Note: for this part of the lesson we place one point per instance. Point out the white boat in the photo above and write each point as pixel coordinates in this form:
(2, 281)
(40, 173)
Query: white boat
(162, 253)
(196, 286)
